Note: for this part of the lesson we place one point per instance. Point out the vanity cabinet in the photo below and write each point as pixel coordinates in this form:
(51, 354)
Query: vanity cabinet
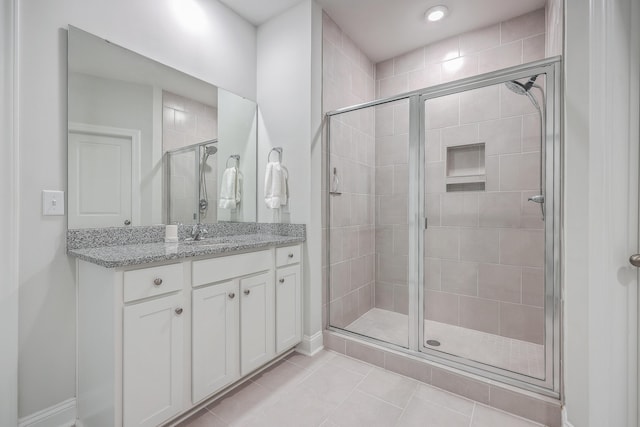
(152, 360)
(155, 341)
(232, 324)
(257, 333)
(288, 298)
(215, 338)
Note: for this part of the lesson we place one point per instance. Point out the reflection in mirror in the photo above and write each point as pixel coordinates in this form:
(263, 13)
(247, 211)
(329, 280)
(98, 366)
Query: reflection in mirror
(126, 113)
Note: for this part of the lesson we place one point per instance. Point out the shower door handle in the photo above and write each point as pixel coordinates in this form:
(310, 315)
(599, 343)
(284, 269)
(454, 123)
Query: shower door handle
(635, 260)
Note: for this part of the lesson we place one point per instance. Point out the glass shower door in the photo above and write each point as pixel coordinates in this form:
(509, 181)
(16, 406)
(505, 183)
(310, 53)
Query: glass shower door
(368, 225)
(484, 247)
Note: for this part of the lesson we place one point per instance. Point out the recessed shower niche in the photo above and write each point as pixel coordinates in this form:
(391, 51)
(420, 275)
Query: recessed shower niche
(466, 168)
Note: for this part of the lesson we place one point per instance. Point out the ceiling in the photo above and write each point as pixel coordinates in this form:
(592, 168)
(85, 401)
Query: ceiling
(385, 28)
(259, 11)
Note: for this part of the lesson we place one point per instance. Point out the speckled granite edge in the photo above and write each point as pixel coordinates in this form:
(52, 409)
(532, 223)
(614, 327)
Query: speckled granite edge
(119, 236)
(281, 229)
(144, 253)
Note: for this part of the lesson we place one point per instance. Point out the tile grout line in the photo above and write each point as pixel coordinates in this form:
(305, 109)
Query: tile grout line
(408, 401)
(348, 396)
(473, 413)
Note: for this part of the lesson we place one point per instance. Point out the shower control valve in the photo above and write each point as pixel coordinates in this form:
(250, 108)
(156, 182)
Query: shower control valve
(537, 198)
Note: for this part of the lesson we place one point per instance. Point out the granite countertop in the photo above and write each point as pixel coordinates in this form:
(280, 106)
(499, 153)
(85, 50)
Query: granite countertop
(143, 253)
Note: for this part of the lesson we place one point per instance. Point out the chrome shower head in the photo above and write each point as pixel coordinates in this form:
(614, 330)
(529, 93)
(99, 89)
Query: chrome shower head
(519, 88)
(516, 87)
(210, 150)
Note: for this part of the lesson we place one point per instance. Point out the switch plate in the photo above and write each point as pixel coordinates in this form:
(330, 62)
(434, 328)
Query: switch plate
(52, 202)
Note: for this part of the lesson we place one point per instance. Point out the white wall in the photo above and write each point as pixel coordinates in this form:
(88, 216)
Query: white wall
(237, 127)
(289, 103)
(215, 45)
(8, 218)
(284, 102)
(119, 104)
(602, 54)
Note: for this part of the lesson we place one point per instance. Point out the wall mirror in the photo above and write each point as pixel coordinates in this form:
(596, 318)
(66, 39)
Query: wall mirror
(149, 144)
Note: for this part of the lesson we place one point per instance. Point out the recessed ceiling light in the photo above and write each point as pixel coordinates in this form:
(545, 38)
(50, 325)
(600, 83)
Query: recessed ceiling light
(436, 13)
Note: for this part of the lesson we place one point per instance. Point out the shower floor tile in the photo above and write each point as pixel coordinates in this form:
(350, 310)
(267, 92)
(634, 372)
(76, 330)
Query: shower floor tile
(329, 390)
(514, 355)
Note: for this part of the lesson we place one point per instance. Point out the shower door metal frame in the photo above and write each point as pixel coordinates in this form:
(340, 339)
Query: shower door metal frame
(551, 67)
(551, 151)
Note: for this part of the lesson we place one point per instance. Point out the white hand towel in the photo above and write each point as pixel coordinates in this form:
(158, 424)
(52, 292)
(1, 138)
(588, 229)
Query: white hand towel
(230, 189)
(275, 185)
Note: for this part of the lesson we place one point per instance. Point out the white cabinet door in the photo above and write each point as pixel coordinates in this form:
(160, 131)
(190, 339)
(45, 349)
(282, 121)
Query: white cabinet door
(257, 323)
(152, 361)
(215, 344)
(288, 317)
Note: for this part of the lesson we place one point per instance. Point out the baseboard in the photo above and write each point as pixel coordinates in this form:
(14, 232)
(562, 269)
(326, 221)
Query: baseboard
(61, 415)
(310, 345)
(565, 420)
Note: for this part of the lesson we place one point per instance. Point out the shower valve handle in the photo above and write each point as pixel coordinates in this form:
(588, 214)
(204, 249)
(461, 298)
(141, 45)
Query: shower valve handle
(537, 199)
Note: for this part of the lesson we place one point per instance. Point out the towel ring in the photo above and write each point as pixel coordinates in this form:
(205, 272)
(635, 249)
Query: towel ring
(235, 157)
(277, 150)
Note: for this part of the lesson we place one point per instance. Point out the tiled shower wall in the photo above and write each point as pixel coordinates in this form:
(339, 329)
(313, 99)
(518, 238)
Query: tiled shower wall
(186, 122)
(484, 249)
(391, 186)
(348, 79)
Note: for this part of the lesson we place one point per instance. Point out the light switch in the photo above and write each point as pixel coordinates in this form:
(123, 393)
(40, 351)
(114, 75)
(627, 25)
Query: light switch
(52, 202)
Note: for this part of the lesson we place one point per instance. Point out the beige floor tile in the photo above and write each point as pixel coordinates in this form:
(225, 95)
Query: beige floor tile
(203, 418)
(237, 405)
(331, 384)
(310, 362)
(281, 376)
(420, 413)
(299, 408)
(363, 410)
(483, 416)
(391, 388)
(349, 364)
(338, 391)
(446, 399)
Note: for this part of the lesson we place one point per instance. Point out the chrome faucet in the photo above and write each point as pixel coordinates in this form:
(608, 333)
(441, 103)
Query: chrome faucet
(198, 231)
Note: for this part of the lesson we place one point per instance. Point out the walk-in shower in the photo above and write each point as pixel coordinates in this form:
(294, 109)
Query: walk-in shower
(436, 245)
(191, 183)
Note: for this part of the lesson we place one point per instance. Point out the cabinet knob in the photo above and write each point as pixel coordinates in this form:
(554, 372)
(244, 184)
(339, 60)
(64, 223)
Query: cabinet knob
(247, 291)
(178, 311)
(232, 295)
(281, 280)
(290, 255)
(157, 281)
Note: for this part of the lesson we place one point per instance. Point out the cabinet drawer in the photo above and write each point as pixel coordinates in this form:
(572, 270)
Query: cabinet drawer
(148, 282)
(229, 267)
(287, 255)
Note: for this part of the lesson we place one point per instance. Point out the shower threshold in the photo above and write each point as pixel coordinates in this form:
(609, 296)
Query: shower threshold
(511, 354)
